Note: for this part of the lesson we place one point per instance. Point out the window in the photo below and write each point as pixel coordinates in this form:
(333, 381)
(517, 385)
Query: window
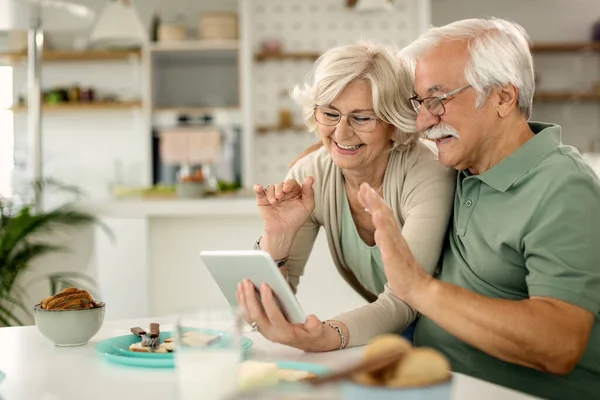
(6, 132)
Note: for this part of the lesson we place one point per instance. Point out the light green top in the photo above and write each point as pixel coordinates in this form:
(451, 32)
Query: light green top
(529, 226)
(364, 260)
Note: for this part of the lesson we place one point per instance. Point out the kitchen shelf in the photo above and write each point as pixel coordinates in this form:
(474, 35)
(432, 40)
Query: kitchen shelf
(547, 96)
(268, 129)
(565, 47)
(195, 45)
(295, 56)
(195, 110)
(123, 105)
(541, 47)
(73, 55)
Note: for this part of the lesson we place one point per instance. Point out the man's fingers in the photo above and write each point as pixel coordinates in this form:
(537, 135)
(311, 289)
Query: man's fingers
(371, 200)
(387, 230)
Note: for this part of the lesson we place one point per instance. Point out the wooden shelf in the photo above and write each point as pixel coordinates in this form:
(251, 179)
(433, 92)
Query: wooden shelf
(195, 45)
(541, 47)
(84, 106)
(547, 97)
(295, 56)
(194, 110)
(565, 47)
(269, 129)
(72, 55)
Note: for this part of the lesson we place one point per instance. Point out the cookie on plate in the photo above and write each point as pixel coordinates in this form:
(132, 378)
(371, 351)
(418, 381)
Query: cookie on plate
(137, 347)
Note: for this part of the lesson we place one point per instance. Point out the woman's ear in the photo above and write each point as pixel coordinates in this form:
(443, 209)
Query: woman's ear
(508, 99)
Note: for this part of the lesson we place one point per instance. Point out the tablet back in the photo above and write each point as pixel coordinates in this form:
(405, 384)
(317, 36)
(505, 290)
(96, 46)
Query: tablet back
(228, 268)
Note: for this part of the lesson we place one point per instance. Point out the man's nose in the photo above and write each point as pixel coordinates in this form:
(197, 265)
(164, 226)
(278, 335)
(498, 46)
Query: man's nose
(425, 119)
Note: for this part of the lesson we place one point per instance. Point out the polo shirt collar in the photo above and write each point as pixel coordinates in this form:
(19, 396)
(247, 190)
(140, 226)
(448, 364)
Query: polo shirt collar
(502, 175)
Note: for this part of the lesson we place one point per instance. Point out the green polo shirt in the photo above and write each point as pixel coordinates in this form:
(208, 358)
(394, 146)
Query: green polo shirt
(529, 226)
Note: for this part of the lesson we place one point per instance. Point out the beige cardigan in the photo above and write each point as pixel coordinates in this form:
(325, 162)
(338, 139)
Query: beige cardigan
(420, 191)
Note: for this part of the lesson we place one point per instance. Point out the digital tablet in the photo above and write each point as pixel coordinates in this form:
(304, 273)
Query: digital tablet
(228, 268)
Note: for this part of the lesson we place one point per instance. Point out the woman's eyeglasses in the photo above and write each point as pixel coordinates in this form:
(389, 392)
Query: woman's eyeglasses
(359, 121)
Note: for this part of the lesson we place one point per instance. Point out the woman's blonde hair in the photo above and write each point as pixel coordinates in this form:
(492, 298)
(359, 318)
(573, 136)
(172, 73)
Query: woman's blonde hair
(390, 78)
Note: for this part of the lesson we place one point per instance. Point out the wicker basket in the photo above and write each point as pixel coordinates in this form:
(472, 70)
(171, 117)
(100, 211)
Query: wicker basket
(172, 32)
(218, 25)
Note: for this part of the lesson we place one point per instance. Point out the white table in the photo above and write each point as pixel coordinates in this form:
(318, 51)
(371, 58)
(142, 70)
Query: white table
(36, 369)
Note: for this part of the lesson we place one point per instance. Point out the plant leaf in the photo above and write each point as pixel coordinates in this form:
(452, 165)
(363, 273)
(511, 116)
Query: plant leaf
(26, 224)
(18, 302)
(28, 252)
(6, 315)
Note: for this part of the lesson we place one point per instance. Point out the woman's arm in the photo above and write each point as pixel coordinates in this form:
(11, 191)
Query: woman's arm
(301, 249)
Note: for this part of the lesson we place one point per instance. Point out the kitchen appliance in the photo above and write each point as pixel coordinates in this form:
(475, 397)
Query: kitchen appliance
(195, 145)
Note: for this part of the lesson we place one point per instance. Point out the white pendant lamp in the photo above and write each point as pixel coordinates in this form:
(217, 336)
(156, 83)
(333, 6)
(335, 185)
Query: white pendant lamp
(118, 26)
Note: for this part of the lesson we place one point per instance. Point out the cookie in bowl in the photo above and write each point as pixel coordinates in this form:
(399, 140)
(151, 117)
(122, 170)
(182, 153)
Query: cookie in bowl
(69, 318)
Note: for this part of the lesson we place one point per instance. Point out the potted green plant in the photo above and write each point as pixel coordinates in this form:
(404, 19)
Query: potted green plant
(24, 233)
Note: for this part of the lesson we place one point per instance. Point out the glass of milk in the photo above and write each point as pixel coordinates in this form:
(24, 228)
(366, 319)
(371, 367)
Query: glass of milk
(208, 353)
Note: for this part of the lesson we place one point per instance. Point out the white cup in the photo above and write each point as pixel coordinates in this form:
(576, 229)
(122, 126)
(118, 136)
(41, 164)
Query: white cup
(207, 360)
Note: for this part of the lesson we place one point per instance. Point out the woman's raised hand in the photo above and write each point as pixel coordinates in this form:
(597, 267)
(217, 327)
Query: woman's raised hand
(286, 206)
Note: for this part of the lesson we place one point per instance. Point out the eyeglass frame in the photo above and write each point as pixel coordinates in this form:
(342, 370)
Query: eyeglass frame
(439, 98)
(377, 119)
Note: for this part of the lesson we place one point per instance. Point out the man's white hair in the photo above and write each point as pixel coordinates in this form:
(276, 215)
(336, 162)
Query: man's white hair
(391, 81)
(500, 55)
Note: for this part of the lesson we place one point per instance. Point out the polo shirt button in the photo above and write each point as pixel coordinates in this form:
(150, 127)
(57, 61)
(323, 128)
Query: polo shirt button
(468, 203)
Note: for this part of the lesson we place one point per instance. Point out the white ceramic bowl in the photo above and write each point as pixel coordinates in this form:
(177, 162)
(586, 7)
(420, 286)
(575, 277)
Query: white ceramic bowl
(69, 327)
(355, 391)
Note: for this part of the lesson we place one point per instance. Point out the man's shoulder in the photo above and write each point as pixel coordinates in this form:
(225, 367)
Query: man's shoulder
(564, 164)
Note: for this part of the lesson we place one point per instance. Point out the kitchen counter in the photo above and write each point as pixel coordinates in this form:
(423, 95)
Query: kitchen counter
(137, 208)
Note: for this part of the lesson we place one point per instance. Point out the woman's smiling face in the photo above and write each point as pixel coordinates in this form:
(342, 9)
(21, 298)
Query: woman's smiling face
(353, 149)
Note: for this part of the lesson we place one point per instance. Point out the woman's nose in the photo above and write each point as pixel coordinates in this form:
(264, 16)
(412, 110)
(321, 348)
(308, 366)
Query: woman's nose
(343, 128)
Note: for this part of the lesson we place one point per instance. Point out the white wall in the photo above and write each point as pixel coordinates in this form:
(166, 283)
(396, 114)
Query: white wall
(548, 21)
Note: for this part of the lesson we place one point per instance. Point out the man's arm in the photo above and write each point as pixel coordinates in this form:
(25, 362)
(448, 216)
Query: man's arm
(542, 333)
(550, 330)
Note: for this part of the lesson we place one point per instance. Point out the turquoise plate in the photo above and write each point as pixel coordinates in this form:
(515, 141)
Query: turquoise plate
(116, 350)
(303, 366)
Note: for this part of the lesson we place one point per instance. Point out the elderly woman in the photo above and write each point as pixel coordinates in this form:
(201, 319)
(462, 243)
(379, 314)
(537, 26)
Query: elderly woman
(356, 104)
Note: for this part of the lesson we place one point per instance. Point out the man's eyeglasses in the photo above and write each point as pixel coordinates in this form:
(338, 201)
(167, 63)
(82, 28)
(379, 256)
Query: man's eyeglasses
(360, 122)
(435, 104)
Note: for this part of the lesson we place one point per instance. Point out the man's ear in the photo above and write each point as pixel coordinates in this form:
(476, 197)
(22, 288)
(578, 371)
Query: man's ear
(508, 99)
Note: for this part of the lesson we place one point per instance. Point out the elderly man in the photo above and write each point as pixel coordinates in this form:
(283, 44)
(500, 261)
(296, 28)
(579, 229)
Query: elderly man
(518, 297)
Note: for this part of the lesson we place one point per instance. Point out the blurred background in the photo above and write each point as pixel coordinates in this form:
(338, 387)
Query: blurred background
(166, 113)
